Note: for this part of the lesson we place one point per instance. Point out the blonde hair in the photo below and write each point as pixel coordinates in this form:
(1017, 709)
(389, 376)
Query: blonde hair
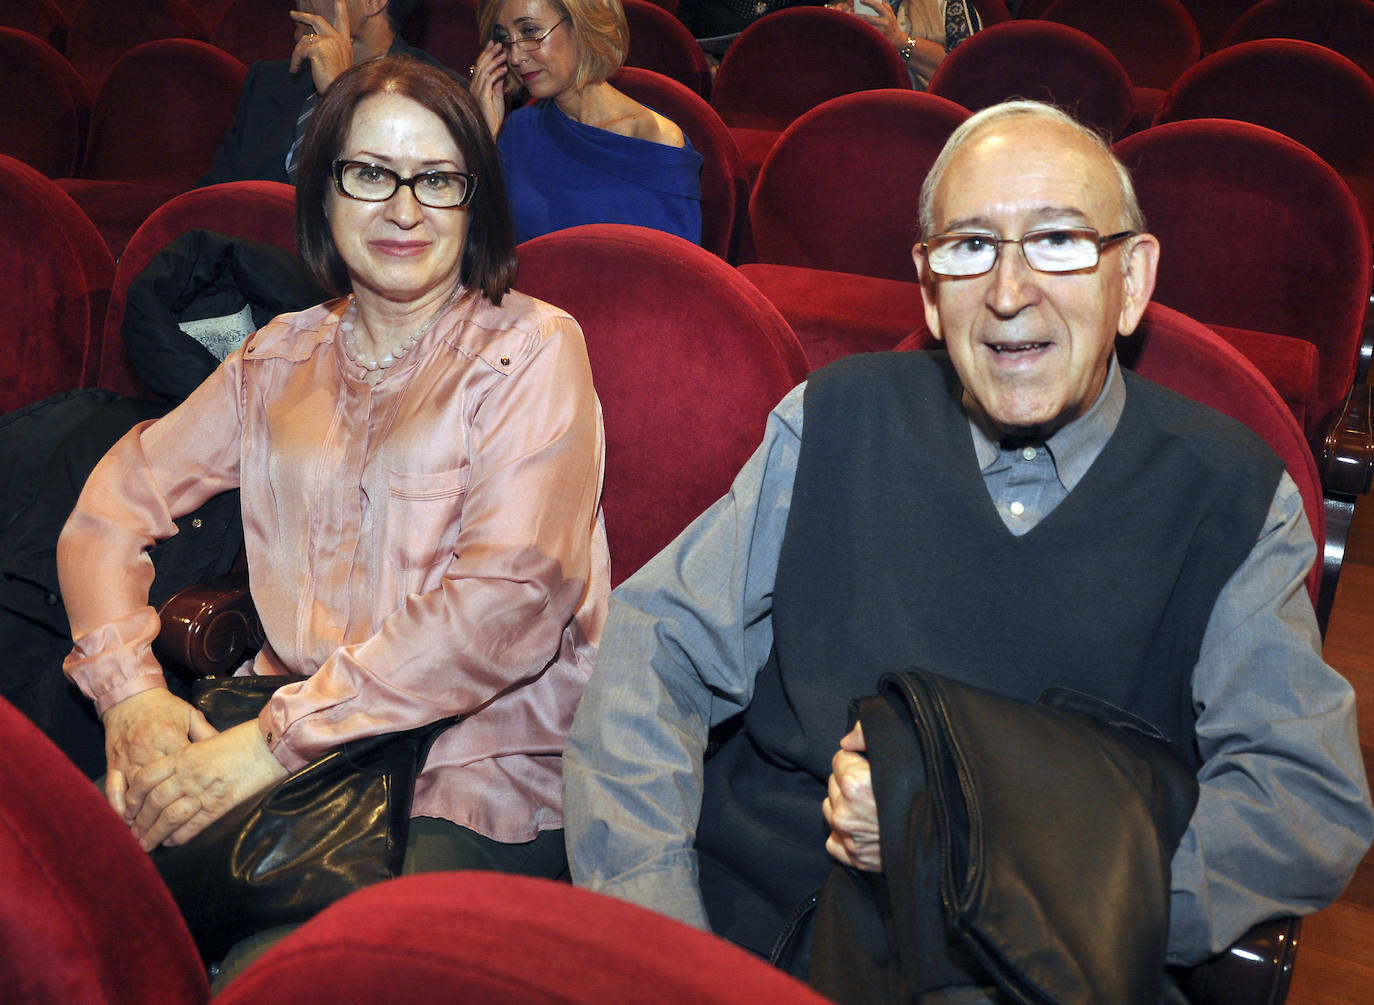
(603, 36)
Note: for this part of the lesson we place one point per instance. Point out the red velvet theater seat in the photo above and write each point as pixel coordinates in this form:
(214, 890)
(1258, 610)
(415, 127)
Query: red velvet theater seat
(84, 916)
(43, 19)
(447, 30)
(1040, 60)
(250, 30)
(790, 61)
(1214, 19)
(262, 211)
(1155, 41)
(1346, 26)
(688, 360)
(1264, 243)
(662, 43)
(102, 31)
(486, 938)
(724, 181)
(152, 135)
(1300, 89)
(45, 113)
(53, 291)
(833, 217)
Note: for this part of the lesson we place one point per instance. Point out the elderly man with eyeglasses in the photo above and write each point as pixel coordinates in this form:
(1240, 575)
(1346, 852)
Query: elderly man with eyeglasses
(1015, 512)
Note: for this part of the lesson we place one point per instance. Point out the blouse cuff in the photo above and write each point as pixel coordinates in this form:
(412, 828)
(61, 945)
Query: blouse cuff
(116, 661)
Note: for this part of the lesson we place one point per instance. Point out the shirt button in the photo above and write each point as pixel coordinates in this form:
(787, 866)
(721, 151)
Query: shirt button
(1016, 509)
(1028, 453)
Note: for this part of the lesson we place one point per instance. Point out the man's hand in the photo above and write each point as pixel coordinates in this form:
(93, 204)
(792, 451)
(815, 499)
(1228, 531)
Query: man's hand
(176, 797)
(327, 45)
(850, 809)
(142, 729)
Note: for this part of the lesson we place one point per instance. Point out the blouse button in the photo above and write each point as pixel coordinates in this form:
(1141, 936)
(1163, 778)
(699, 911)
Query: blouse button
(505, 361)
(1016, 509)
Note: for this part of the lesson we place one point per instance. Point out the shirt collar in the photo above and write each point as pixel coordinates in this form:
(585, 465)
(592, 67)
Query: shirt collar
(1074, 447)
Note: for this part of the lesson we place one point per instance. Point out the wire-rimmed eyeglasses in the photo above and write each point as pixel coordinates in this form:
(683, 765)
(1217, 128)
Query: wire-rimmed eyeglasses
(1052, 249)
(374, 183)
(527, 43)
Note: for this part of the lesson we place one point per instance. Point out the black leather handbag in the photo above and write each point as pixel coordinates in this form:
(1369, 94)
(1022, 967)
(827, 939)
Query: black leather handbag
(335, 826)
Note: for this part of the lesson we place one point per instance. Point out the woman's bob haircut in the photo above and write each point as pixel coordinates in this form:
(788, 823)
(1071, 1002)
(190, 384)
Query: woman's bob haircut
(489, 262)
(599, 26)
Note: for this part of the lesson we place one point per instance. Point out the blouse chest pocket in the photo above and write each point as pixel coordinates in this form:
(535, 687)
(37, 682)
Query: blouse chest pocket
(424, 516)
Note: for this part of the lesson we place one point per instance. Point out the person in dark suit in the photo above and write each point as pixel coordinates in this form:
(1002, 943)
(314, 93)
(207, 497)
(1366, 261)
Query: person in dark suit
(279, 95)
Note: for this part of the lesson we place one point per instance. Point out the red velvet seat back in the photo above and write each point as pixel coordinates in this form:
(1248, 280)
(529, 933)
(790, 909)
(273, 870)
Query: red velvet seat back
(1172, 349)
(660, 42)
(1041, 60)
(791, 60)
(688, 359)
(1155, 40)
(992, 11)
(41, 18)
(447, 30)
(724, 181)
(832, 190)
(262, 211)
(1301, 89)
(55, 284)
(44, 115)
(101, 31)
(1214, 19)
(486, 938)
(84, 916)
(250, 30)
(1346, 26)
(160, 113)
(1258, 234)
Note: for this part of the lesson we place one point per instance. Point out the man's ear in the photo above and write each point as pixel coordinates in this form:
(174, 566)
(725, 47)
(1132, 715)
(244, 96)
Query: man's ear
(928, 282)
(1141, 264)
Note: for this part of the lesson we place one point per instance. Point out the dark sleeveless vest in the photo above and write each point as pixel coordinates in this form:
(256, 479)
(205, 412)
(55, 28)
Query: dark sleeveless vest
(895, 556)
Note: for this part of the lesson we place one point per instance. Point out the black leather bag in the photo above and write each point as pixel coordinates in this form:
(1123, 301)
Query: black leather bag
(335, 826)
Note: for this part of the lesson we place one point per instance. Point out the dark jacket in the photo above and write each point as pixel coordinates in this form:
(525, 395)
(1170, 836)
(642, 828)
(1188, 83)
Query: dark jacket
(1026, 846)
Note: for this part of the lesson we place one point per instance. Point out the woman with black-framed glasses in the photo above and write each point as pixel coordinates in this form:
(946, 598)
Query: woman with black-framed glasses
(580, 151)
(419, 463)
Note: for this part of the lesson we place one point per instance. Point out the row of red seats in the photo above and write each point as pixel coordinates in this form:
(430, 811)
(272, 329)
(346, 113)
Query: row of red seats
(67, 924)
(1284, 85)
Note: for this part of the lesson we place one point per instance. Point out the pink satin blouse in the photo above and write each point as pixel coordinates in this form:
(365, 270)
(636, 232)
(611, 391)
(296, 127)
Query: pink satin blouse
(427, 546)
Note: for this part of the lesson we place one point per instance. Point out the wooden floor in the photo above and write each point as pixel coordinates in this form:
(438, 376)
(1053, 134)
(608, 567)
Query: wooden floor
(1336, 950)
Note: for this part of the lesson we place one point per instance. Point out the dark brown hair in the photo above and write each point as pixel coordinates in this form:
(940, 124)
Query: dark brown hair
(489, 262)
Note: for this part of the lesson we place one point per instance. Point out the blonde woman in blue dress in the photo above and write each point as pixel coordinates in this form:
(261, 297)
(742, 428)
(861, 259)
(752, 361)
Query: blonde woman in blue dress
(580, 151)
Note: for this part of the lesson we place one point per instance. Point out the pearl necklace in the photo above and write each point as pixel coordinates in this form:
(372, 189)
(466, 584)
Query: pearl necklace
(387, 359)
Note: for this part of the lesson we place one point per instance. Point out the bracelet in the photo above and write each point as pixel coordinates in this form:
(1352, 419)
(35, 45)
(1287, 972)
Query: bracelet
(905, 51)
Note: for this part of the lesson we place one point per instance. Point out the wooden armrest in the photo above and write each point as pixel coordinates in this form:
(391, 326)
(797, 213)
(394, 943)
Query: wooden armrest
(1254, 971)
(1347, 460)
(210, 628)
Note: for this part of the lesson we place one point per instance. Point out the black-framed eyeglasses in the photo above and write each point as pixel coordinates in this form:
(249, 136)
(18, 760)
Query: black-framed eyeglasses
(374, 183)
(1053, 249)
(529, 42)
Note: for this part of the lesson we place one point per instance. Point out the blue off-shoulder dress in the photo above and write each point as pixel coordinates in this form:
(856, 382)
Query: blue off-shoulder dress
(561, 173)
